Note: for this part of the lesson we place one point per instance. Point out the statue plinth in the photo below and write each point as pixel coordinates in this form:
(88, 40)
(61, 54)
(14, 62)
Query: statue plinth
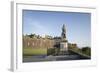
(64, 42)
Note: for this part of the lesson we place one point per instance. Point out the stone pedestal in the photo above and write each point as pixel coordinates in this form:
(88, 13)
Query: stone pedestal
(63, 46)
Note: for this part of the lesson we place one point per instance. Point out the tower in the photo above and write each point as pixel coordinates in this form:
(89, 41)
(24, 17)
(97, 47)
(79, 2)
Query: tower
(64, 42)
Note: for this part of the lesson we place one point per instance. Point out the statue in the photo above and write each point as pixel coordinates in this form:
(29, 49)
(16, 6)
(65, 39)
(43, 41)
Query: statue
(64, 42)
(63, 35)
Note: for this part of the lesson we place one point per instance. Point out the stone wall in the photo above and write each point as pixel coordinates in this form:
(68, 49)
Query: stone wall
(44, 43)
(38, 43)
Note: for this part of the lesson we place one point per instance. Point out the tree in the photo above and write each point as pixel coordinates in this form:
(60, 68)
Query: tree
(48, 37)
(32, 35)
(86, 50)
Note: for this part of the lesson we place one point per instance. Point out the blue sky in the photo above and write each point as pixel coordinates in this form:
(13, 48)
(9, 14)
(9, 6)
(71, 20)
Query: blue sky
(49, 22)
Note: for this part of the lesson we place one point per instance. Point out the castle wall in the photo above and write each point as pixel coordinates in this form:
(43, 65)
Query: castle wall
(46, 43)
(38, 43)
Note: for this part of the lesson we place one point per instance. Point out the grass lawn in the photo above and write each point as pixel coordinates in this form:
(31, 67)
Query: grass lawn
(37, 51)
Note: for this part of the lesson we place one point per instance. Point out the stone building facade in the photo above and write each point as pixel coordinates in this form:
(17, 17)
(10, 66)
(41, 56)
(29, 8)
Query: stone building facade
(37, 43)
